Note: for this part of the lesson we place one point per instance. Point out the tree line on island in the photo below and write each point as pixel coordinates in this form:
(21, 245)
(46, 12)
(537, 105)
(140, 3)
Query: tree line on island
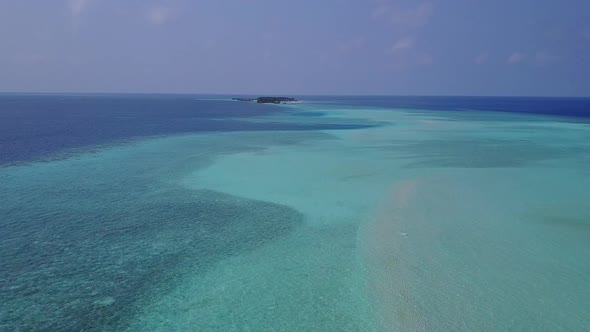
(268, 100)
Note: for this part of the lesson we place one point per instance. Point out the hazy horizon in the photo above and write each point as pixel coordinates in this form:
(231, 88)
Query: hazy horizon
(237, 94)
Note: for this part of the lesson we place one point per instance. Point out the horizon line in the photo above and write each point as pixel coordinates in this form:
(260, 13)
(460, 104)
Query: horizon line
(287, 94)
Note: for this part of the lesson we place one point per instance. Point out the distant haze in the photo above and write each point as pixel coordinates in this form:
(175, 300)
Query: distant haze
(390, 47)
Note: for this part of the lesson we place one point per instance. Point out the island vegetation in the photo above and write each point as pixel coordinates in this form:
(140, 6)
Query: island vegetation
(269, 100)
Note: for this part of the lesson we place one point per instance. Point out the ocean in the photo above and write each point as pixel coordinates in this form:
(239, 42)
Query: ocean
(198, 213)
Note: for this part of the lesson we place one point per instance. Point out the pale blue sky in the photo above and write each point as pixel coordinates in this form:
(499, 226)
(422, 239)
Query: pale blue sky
(393, 47)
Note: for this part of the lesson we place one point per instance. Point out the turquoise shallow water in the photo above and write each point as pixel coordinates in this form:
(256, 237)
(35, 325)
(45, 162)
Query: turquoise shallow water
(431, 220)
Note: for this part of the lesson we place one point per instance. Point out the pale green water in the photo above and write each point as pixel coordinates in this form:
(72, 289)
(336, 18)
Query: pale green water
(432, 221)
(424, 224)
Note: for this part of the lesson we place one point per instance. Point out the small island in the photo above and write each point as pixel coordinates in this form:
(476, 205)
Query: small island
(275, 100)
(269, 100)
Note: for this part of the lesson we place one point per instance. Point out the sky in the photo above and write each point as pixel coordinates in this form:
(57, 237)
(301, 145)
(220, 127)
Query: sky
(330, 47)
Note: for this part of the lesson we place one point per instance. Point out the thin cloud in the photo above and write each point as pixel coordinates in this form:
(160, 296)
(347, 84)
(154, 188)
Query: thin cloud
(158, 15)
(77, 7)
(404, 18)
(414, 17)
(482, 58)
(425, 59)
(405, 55)
(544, 58)
(403, 44)
(352, 44)
(515, 58)
(380, 11)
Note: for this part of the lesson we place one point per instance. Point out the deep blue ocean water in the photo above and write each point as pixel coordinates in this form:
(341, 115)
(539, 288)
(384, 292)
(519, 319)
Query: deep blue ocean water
(42, 126)
(97, 222)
